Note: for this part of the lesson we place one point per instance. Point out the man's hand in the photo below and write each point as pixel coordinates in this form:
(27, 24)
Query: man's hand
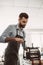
(10, 39)
(19, 40)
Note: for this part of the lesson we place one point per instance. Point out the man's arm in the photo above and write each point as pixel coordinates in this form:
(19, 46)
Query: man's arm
(6, 36)
(10, 39)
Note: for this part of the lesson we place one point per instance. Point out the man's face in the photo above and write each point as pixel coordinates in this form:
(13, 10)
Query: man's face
(23, 22)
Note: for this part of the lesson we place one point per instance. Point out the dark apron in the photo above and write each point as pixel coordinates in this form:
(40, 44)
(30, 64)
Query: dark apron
(11, 54)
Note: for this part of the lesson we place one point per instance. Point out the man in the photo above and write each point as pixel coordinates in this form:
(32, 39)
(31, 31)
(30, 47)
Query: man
(15, 36)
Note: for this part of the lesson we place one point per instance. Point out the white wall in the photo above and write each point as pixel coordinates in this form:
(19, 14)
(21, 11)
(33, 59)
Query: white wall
(9, 11)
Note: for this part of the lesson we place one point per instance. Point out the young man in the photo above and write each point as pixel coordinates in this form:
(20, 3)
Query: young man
(15, 36)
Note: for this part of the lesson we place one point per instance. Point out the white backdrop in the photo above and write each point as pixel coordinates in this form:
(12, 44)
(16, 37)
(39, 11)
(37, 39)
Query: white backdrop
(9, 11)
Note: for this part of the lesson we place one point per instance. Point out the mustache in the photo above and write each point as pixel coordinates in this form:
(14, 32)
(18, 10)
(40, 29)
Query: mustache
(22, 26)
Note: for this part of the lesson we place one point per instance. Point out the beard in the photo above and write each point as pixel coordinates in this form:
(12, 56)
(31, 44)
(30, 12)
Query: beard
(21, 26)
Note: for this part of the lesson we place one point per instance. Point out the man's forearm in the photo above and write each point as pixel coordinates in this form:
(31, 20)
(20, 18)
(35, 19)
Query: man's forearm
(9, 39)
(12, 39)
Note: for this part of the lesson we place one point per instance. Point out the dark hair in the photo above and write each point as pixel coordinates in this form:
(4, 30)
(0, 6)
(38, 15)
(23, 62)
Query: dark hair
(23, 15)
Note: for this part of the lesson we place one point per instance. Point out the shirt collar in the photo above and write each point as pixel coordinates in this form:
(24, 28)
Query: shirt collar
(19, 27)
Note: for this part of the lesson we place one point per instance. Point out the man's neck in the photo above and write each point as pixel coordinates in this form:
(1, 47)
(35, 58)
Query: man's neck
(20, 26)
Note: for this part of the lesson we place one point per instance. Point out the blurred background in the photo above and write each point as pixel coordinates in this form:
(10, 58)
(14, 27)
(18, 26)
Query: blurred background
(9, 12)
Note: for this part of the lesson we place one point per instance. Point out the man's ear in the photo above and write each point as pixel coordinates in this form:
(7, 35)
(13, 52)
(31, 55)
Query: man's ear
(19, 19)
